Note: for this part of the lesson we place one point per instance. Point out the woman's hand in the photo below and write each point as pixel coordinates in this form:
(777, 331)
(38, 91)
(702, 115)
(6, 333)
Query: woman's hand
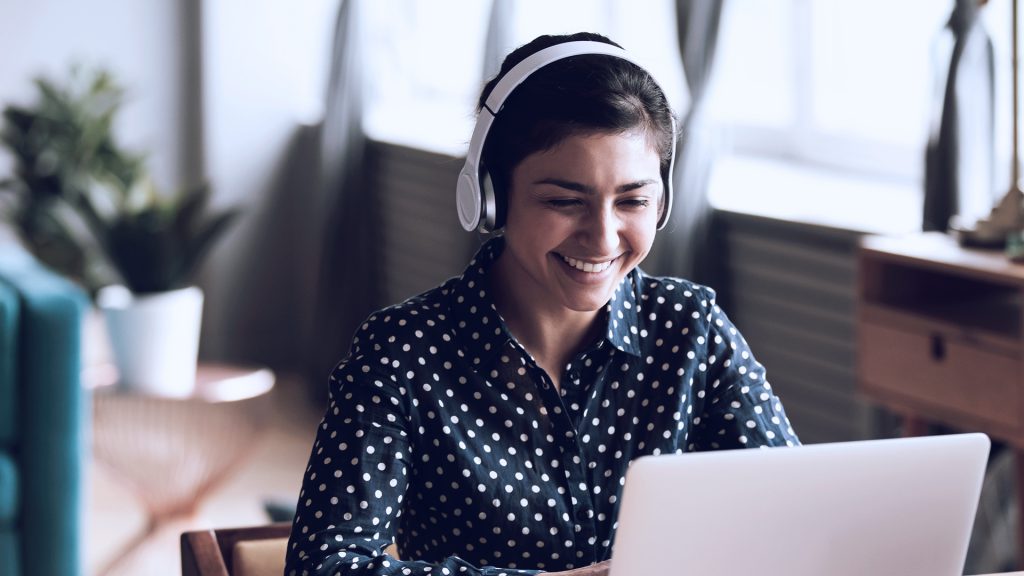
(599, 569)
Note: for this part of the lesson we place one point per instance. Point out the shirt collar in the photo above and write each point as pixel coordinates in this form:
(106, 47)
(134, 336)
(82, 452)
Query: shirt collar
(622, 317)
(481, 331)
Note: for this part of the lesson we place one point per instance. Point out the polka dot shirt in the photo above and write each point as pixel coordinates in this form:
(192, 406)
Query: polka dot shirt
(443, 435)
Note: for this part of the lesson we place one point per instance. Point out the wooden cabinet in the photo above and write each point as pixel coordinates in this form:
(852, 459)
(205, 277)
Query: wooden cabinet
(940, 335)
(940, 332)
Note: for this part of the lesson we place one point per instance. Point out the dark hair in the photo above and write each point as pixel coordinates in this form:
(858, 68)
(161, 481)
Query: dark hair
(589, 93)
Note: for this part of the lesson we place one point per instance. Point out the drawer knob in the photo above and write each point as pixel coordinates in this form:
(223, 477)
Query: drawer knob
(938, 347)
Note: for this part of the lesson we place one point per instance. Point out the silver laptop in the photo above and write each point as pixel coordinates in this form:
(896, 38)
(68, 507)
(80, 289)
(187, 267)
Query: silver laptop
(901, 507)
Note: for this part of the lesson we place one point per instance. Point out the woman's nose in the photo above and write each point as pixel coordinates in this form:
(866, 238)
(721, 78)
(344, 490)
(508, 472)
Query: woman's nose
(603, 230)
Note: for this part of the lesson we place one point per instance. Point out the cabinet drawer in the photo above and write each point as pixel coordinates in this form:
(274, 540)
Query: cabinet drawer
(942, 372)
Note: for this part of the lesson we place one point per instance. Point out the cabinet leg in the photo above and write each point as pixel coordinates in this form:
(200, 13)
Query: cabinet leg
(1019, 456)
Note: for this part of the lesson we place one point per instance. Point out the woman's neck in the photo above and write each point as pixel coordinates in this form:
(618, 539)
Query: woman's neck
(551, 333)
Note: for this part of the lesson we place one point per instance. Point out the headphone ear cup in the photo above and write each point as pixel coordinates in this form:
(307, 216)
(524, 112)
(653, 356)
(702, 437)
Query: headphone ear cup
(494, 216)
(467, 200)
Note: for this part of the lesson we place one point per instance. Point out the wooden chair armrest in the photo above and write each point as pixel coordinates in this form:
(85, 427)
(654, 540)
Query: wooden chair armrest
(210, 552)
(200, 555)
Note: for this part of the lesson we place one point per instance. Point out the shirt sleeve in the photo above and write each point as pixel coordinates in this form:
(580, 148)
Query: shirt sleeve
(740, 409)
(353, 488)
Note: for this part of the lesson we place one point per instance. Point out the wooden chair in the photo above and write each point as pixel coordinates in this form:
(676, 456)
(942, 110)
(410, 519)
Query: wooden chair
(251, 551)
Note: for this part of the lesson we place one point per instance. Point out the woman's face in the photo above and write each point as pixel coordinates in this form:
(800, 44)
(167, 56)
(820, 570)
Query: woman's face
(580, 217)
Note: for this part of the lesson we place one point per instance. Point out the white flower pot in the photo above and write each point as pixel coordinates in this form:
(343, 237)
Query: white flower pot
(154, 337)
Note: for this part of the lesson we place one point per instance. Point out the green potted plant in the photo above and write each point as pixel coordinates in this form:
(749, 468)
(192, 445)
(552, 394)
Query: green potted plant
(86, 207)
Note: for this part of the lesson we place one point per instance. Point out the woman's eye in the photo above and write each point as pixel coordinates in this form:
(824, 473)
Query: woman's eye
(636, 202)
(563, 202)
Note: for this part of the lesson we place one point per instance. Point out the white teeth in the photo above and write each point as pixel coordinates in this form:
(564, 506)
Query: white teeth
(587, 266)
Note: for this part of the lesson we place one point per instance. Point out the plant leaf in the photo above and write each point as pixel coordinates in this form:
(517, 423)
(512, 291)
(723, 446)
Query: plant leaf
(190, 210)
(198, 246)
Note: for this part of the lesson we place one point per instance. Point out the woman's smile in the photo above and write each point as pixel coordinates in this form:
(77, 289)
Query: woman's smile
(590, 272)
(588, 266)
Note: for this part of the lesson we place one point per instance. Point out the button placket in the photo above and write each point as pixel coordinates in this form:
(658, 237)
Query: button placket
(584, 521)
(582, 504)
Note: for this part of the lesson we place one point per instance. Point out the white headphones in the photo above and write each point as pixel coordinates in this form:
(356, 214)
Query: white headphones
(475, 201)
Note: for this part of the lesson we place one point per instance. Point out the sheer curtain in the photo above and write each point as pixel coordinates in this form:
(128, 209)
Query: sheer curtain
(346, 285)
(499, 39)
(679, 248)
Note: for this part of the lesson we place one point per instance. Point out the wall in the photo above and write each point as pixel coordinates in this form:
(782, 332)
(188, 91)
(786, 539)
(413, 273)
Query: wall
(145, 44)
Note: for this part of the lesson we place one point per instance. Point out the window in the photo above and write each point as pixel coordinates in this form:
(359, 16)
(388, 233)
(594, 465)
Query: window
(424, 79)
(839, 84)
(423, 61)
(845, 84)
(997, 17)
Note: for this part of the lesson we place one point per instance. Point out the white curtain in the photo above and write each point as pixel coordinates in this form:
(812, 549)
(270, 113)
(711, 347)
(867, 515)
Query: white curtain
(256, 114)
(499, 38)
(680, 249)
(347, 284)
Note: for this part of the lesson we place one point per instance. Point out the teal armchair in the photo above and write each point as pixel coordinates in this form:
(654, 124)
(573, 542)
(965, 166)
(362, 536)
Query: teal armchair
(43, 418)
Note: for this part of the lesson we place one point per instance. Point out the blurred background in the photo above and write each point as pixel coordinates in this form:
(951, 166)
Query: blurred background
(331, 131)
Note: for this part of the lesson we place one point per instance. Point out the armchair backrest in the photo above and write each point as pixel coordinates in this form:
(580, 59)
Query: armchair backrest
(43, 418)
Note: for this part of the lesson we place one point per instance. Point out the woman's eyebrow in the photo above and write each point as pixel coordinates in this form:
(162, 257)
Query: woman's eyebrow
(579, 187)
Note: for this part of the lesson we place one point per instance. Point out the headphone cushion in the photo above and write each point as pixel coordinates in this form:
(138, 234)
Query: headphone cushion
(467, 195)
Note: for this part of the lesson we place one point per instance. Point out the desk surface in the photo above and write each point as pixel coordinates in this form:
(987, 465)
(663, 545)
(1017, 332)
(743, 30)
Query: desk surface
(941, 251)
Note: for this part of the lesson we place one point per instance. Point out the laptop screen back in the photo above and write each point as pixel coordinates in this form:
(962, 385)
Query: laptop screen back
(900, 506)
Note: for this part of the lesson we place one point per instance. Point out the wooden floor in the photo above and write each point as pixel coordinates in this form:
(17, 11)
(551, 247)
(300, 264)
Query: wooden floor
(274, 470)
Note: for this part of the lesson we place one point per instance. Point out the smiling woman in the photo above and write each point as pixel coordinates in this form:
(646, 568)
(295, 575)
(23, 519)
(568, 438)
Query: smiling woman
(486, 426)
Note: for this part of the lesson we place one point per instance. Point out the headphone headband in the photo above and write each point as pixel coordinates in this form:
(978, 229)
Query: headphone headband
(476, 205)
